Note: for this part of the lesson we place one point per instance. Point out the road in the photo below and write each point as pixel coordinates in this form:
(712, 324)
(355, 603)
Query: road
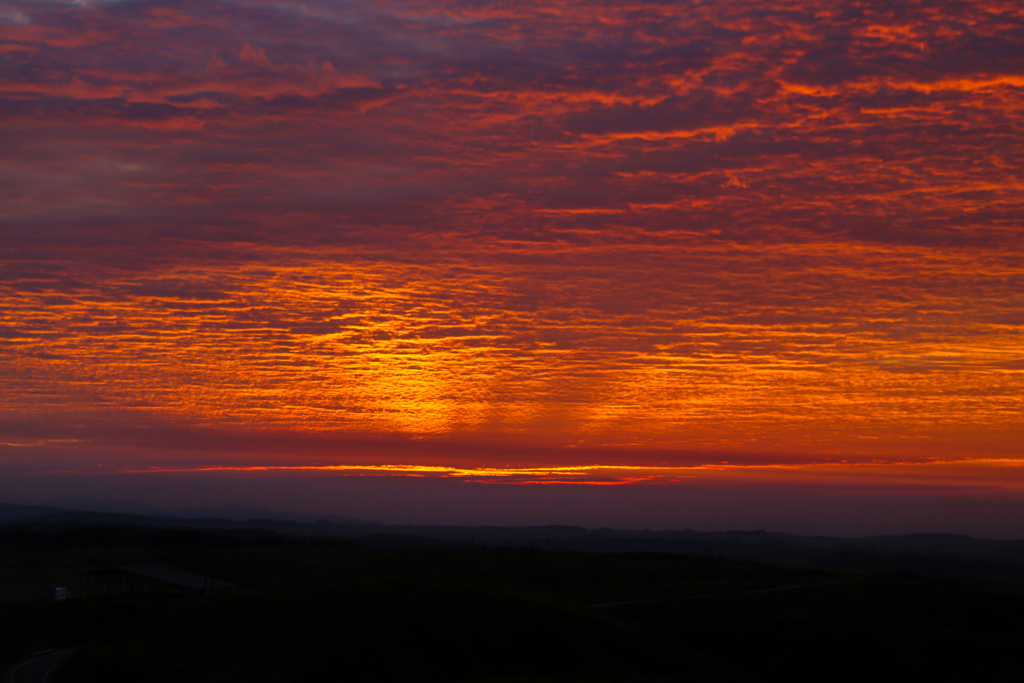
(37, 669)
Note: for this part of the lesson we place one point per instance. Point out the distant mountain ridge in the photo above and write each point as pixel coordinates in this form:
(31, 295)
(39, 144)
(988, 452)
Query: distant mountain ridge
(242, 513)
(987, 563)
(14, 511)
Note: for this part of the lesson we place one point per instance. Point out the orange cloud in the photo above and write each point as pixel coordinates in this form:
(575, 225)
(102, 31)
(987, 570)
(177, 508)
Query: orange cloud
(709, 228)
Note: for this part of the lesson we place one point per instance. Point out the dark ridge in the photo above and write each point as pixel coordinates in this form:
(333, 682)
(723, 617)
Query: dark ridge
(430, 609)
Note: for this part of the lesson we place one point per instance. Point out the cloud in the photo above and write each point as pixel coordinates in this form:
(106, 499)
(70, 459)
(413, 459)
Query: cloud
(734, 226)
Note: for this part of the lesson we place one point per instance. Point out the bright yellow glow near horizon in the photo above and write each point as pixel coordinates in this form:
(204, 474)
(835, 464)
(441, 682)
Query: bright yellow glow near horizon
(486, 353)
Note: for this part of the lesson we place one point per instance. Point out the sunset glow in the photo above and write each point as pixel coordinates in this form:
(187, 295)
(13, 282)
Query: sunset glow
(554, 242)
(971, 474)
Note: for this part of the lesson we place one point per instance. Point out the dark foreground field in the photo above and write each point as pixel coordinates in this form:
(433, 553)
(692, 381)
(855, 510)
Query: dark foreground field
(331, 611)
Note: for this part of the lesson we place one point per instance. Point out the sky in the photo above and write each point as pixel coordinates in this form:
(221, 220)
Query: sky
(710, 264)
